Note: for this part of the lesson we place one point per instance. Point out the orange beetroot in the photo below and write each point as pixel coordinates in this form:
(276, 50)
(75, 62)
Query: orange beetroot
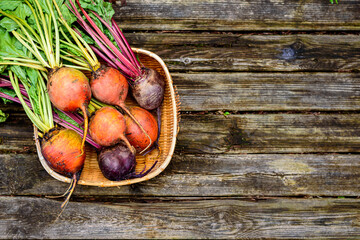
(134, 134)
(108, 85)
(69, 90)
(107, 127)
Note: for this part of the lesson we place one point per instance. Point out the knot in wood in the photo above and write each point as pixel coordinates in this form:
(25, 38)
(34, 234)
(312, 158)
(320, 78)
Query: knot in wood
(185, 60)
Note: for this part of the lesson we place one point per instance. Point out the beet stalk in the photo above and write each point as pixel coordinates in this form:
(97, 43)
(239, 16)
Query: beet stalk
(147, 84)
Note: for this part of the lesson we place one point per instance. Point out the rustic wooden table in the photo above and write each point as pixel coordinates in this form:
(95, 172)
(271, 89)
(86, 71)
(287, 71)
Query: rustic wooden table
(269, 140)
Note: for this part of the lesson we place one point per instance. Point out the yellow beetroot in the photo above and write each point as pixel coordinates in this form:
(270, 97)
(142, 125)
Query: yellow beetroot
(69, 90)
(61, 149)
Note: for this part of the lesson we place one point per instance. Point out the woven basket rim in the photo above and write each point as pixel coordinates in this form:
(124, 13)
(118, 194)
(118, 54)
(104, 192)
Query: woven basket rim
(128, 181)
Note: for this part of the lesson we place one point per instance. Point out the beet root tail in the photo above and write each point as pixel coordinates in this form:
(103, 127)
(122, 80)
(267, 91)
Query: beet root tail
(68, 193)
(143, 172)
(132, 149)
(123, 107)
(86, 126)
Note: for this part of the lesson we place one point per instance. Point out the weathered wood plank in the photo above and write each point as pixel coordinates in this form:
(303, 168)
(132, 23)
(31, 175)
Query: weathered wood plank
(11, 107)
(268, 91)
(17, 133)
(23, 217)
(237, 52)
(248, 133)
(269, 133)
(205, 176)
(232, 15)
(262, 92)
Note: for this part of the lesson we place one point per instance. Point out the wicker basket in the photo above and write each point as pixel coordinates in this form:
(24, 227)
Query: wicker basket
(91, 174)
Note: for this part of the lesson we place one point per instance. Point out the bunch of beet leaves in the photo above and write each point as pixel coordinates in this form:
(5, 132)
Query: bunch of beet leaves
(47, 50)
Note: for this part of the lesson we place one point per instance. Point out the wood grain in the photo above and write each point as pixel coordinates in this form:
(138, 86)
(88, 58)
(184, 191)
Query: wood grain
(269, 133)
(232, 15)
(268, 91)
(262, 92)
(249, 52)
(24, 217)
(238, 133)
(223, 175)
(240, 176)
(16, 133)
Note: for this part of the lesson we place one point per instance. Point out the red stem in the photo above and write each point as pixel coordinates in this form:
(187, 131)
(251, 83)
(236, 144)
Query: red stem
(103, 56)
(118, 40)
(119, 32)
(111, 63)
(107, 41)
(112, 56)
(98, 40)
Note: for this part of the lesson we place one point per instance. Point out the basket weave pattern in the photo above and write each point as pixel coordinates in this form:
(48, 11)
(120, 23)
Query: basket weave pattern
(91, 174)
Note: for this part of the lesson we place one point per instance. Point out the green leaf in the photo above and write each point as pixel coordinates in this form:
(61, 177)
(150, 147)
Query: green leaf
(33, 75)
(33, 94)
(23, 11)
(8, 24)
(97, 21)
(32, 23)
(43, 5)
(9, 4)
(32, 80)
(9, 45)
(2, 68)
(87, 39)
(19, 72)
(3, 116)
(104, 9)
(69, 16)
(8, 92)
(71, 50)
(6, 100)
(66, 118)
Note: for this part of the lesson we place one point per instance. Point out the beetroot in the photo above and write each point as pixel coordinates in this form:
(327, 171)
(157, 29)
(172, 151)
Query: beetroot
(69, 90)
(147, 84)
(110, 86)
(62, 150)
(118, 163)
(107, 127)
(148, 90)
(134, 134)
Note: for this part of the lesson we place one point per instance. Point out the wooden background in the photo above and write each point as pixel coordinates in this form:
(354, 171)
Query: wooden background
(270, 132)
